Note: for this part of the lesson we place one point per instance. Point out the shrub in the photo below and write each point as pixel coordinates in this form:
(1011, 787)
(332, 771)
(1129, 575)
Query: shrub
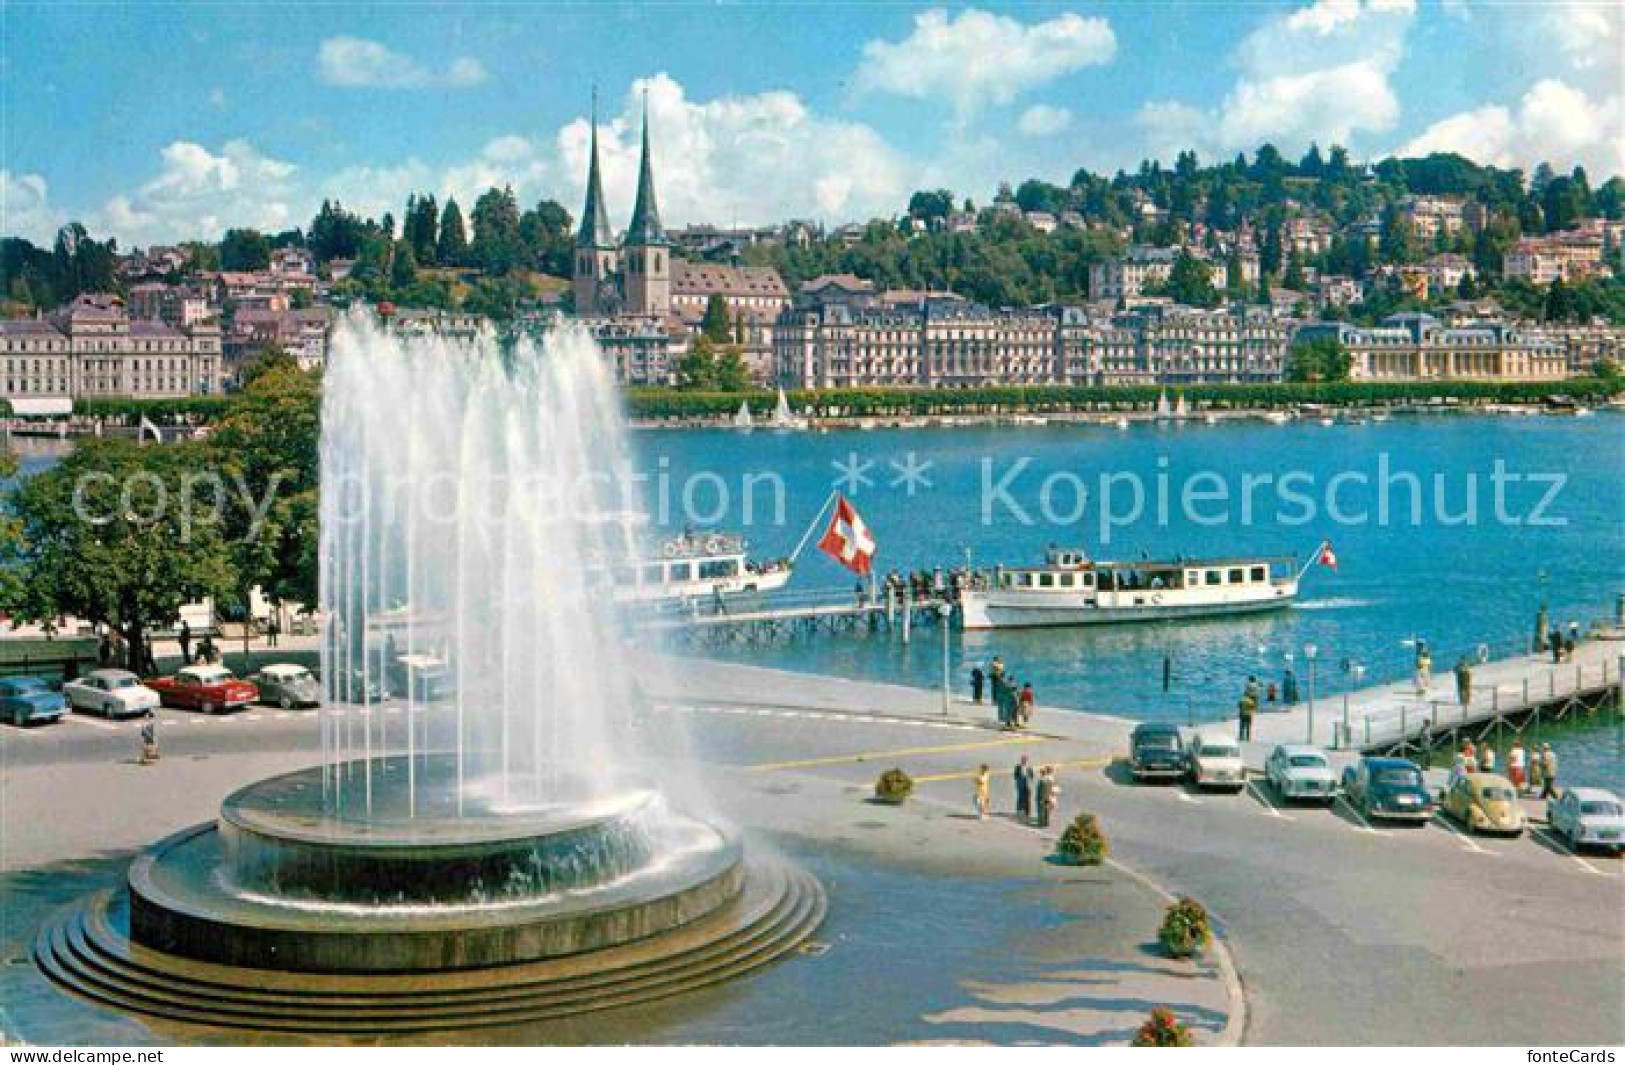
(1162, 1029)
(894, 786)
(1185, 928)
(1083, 843)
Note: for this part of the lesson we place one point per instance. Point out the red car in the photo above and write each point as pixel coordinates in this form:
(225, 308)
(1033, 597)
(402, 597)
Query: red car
(205, 688)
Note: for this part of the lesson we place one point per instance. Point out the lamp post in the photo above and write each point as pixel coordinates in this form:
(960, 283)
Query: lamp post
(1309, 652)
(944, 616)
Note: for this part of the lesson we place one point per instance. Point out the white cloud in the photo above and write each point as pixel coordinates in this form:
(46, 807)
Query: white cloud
(978, 58)
(355, 62)
(200, 193)
(1554, 122)
(25, 208)
(1318, 73)
(1042, 120)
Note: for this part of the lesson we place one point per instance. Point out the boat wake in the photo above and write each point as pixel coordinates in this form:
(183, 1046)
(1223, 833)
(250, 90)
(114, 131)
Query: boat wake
(1334, 603)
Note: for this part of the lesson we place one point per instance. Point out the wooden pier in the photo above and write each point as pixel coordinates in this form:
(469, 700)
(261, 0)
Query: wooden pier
(1510, 693)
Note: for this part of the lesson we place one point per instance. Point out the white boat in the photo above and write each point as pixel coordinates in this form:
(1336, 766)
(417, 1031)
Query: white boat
(784, 417)
(1163, 410)
(1277, 417)
(743, 418)
(1071, 589)
(1328, 421)
(697, 566)
(1210, 419)
(1182, 409)
(1121, 423)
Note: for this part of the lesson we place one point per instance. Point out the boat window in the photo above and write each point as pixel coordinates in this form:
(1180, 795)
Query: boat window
(1088, 580)
(1260, 573)
(1212, 576)
(719, 567)
(654, 573)
(682, 571)
(1238, 576)
(1191, 577)
(1066, 580)
(1026, 580)
(1006, 580)
(1046, 580)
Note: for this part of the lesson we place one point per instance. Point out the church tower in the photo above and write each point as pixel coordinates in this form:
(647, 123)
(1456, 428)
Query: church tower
(593, 276)
(646, 258)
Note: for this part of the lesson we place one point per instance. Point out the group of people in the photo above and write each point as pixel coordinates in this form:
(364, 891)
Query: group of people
(1038, 792)
(1561, 644)
(1531, 770)
(1255, 695)
(1011, 698)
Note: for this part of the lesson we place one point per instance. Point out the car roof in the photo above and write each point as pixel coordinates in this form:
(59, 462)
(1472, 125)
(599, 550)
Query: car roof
(1300, 748)
(204, 671)
(109, 673)
(1148, 728)
(283, 669)
(1593, 794)
(1391, 763)
(25, 678)
(1217, 738)
(1480, 781)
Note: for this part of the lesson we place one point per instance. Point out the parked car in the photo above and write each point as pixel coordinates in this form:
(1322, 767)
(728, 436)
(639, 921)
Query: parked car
(205, 688)
(1298, 771)
(30, 701)
(287, 685)
(1485, 802)
(1589, 817)
(1215, 762)
(1156, 750)
(112, 693)
(1388, 788)
(421, 676)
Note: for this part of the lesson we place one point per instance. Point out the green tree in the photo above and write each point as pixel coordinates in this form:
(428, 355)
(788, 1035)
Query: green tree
(244, 249)
(1321, 358)
(1190, 281)
(697, 369)
(547, 237)
(403, 266)
(122, 535)
(496, 246)
(729, 372)
(451, 248)
(715, 324)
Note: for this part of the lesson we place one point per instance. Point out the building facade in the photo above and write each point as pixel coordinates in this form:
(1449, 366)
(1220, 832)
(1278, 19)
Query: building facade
(1418, 347)
(629, 277)
(1127, 277)
(92, 348)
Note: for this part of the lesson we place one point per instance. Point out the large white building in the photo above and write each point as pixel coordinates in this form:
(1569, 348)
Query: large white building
(1418, 347)
(92, 348)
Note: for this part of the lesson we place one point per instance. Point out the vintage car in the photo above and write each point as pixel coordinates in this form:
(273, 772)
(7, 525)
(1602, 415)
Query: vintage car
(112, 693)
(1215, 762)
(1589, 817)
(287, 685)
(1485, 802)
(205, 688)
(1389, 788)
(422, 677)
(1298, 771)
(1156, 750)
(30, 701)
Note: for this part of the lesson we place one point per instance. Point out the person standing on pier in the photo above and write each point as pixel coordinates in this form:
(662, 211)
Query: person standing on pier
(1049, 795)
(1424, 668)
(1557, 644)
(1486, 759)
(1548, 772)
(1464, 681)
(184, 638)
(976, 681)
(1245, 707)
(1289, 689)
(983, 799)
(1025, 706)
(1024, 790)
(1516, 766)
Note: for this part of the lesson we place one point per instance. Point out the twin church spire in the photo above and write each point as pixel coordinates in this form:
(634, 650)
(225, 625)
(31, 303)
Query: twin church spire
(634, 276)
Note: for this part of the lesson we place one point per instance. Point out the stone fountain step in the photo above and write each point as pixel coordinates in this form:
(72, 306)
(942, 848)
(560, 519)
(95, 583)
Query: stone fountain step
(85, 954)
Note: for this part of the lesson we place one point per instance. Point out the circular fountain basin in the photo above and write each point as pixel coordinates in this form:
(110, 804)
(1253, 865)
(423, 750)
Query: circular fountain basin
(282, 882)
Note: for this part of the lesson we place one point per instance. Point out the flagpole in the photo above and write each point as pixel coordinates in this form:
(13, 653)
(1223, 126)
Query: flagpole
(811, 525)
(1314, 556)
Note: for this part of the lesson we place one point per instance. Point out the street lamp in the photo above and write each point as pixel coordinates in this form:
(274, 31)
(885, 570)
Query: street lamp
(1309, 652)
(944, 616)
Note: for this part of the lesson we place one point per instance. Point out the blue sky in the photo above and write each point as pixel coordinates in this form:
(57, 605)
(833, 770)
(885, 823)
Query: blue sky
(157, 122)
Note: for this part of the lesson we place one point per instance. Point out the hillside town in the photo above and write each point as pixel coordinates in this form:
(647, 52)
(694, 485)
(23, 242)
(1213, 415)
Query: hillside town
(1516, 282)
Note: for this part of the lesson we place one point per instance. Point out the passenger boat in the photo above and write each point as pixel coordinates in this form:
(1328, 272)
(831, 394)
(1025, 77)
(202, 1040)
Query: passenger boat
(1070, 588)
(697, 565)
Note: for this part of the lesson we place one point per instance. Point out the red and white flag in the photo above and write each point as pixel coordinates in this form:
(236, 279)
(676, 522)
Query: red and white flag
(1328, 557)
(847, 539)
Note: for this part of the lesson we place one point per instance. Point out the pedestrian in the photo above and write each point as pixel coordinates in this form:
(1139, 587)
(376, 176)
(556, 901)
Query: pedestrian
(982, 799)
(1424, 668)
(1470, 753)
(1244, 717)
(860, 593)
(977, 678)
(1517, 766)
(1537, 778)
(1486, 759)
(1253, 690)
(1548, 772)
(1574, 635)
(104, 651)
(1289, 689)
(1557, 644)
(273, 629)
(1269, 694)
(997, 669)
(1458, 770)
(149, 742)
(1568, 648)
(1009, 695)
(184, 638)
(1026, 706)
(1464, 681)
(1051, 797)
(1041, 798)
(1024, 789)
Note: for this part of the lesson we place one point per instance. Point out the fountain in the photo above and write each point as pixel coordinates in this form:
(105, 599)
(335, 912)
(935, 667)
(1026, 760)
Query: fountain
(483, 842)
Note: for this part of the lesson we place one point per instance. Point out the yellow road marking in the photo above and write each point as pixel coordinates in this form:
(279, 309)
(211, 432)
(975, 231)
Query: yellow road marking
(870, 756)
(1081, 763)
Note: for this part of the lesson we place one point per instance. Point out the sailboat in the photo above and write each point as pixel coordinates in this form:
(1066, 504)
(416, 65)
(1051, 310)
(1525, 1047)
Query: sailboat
(783, 417)
(1162, 405)
(743, 419)
(1182, 409)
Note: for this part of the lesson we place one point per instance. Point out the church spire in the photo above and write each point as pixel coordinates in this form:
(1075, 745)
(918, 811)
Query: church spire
(595, 231)
(645, 229)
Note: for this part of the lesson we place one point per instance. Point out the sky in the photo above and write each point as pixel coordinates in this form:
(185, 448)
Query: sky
(159, 122)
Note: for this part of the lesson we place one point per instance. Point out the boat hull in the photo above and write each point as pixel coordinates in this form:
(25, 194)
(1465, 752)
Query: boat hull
(981, 612)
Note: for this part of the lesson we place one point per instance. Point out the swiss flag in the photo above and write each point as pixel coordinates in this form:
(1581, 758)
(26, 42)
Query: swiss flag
(847, 539)
(1328, 557)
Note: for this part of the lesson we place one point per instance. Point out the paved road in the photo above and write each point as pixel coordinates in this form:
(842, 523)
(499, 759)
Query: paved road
(1343, 932)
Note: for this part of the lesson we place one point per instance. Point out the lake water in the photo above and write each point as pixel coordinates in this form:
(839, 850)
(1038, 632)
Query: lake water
(1548, 527)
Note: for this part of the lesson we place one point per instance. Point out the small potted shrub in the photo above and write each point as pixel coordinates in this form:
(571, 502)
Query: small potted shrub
(1083, 843)
(893, 787)
(1185, 928)
(1162, 1030)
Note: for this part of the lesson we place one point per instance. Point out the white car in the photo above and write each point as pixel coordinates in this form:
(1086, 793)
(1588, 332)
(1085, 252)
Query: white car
(112, 693)
(1298, 771)
(1589, 817)
(1216, 762)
